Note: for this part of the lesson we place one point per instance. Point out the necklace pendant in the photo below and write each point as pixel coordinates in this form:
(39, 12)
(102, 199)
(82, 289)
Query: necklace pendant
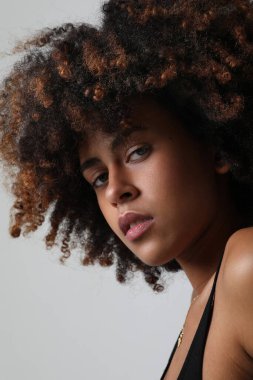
(180, 337)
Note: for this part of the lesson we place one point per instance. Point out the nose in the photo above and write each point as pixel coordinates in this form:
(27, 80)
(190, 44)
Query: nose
(120, 188)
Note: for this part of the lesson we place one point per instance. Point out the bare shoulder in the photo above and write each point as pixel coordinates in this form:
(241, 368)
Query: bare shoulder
(239, 255)
(244, 236)
(237, 284)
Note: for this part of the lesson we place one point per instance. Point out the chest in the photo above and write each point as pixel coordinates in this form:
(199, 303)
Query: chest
(223, 356)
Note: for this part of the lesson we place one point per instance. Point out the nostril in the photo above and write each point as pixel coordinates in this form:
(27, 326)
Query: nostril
(126, 195)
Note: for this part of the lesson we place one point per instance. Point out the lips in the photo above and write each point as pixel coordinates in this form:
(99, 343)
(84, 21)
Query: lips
(129, 219)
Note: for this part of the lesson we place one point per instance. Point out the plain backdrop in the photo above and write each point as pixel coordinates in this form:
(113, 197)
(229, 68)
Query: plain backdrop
(73, 322)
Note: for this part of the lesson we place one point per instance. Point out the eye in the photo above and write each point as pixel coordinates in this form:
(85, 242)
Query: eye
(143, 150)
(137, 153)
(102, 177)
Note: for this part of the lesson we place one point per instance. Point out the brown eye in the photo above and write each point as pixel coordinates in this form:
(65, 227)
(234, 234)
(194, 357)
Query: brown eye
(102, 177)
(136, 155)
(140, 152)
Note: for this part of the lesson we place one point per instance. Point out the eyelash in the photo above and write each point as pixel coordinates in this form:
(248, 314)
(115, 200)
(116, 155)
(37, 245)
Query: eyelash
(147, 149)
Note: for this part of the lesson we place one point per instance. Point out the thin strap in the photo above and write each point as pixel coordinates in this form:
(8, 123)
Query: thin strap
(217, 272)
(199, 329)
(194, 358)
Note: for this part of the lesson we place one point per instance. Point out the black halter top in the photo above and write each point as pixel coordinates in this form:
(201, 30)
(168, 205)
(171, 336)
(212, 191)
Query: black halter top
(192, 367)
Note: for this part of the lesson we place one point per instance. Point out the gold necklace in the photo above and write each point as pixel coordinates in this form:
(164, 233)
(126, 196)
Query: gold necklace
(180, 338)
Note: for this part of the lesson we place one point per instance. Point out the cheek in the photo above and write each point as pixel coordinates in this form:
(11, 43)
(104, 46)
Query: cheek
(164, 174)
(179, 182)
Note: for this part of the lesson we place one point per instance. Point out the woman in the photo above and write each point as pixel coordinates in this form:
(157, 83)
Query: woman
(138, 137)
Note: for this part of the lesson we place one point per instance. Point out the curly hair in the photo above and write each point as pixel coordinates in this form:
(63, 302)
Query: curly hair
(195, 56)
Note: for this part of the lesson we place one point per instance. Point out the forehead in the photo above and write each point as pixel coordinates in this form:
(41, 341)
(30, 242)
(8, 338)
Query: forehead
(95, 143)
(145, 115)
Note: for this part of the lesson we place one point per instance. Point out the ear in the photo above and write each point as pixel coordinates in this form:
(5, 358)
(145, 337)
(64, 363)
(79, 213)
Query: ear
(220, 163)
(222, 168)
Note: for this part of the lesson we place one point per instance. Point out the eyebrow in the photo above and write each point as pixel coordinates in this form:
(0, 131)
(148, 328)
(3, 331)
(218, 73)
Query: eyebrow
(116, 143)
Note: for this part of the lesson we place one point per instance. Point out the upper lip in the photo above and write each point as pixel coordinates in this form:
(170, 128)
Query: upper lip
(131, 217)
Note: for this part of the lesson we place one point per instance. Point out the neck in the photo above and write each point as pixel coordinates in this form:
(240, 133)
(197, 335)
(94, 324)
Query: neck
(201, 260)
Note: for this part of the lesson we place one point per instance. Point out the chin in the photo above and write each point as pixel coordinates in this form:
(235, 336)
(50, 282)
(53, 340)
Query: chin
(152, 260)
(151, 254)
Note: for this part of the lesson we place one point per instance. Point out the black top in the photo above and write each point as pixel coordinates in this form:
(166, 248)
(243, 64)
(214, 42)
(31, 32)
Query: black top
(192, 367)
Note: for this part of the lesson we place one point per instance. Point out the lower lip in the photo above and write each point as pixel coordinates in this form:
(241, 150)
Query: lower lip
(138, 230)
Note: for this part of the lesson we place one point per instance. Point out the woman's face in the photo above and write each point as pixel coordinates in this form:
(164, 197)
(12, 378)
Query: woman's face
(158, 171)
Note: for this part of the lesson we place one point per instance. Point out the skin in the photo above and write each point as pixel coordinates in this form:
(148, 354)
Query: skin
(175, 179)
(164, 172)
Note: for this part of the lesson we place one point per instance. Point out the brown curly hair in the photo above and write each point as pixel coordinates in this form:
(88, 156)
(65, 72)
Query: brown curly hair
(193, 54)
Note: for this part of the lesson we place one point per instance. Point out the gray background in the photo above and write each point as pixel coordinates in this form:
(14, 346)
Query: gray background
(71, 322)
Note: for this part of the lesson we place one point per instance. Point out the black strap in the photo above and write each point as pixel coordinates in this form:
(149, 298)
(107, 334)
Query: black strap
(196, 351)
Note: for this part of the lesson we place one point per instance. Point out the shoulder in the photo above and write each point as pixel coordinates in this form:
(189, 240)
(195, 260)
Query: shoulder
(242, 236)
(237, 284)
(239, 255)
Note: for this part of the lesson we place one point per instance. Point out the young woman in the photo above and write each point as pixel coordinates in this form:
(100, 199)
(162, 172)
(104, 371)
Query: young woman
(137, 137)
